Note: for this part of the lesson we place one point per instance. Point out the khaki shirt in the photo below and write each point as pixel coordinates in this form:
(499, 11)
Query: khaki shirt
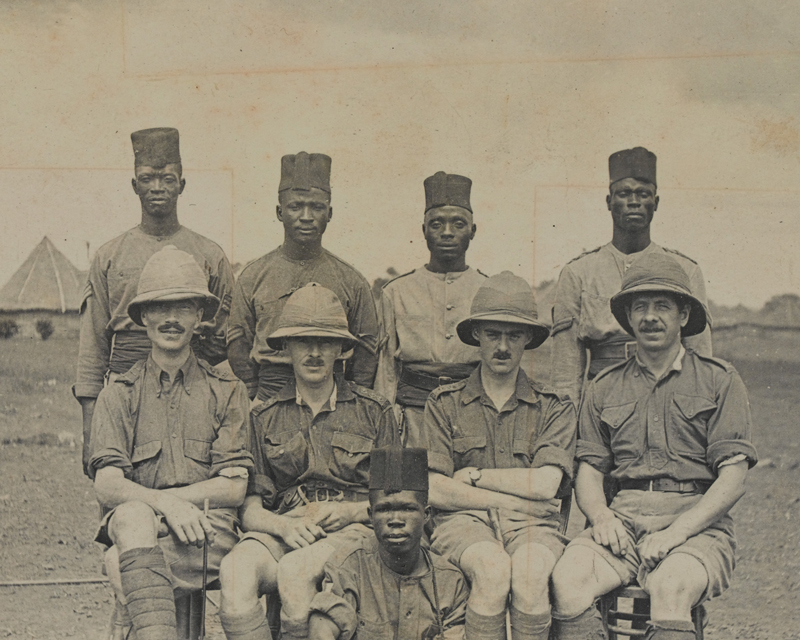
(111, 286)
(680, 426)
(293, 447)
(164, 434)
(265, 285)
(420, 312)
(368, 601)
(582, 314)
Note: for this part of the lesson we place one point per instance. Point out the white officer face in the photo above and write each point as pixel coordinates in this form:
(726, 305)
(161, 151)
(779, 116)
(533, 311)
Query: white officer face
(656, 320)
(171, 324)
(313, 358)
(502, 345)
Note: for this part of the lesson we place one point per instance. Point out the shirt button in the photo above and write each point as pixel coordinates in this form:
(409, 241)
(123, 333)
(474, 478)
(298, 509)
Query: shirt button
(449, 306)
(281, 452)
(174, 435)
(449, 282)
(302, 263)
(502, 450)
(656, 418)
(449, 335)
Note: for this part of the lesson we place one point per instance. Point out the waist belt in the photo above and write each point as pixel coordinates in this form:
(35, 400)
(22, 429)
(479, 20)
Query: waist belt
(429, 381)
(665, 484)
(613, 350)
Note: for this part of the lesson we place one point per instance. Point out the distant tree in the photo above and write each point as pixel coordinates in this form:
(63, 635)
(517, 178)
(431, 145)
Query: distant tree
(44, 328)
(8, 328)
(782, 309)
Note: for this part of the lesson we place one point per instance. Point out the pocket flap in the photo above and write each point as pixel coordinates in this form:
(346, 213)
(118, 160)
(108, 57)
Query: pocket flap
(198, 450)
(465, 443)
(351, 442)
(690, 406)
(521, 446)
(145, 451)
(615, 416)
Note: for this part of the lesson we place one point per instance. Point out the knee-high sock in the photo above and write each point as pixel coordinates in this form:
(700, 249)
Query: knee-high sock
(147, 589)
(526, 626)
(584, 626)
(670, 630)
(246, 626)
(480, 627)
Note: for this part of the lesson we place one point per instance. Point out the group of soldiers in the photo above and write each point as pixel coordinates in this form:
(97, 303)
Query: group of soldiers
(391, 471)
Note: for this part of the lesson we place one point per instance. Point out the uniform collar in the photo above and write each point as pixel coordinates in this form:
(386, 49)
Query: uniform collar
(677, 364)
(330, 404)
(185, 375)
(342, 391)
(474, 388)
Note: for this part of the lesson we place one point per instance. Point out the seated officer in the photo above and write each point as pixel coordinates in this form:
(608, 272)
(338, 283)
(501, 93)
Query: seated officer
(499, 447)
(166, 435)
(388, 585)
(673, 428)
(308, 495)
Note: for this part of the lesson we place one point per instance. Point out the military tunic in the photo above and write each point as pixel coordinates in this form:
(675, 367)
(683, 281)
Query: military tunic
(260, 294)
(110, 340)
(369, 601)
(582, 318)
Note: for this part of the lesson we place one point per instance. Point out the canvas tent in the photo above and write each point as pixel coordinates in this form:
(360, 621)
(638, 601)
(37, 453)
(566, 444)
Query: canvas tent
(46, 286)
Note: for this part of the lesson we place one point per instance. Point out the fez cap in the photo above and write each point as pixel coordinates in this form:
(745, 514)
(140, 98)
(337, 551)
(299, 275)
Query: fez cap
(398, 469)
(305, 171)
(314, 312)
(636, 163)
(658, 273)
(172, 274)
(447, 189)
(156, 147)
(504, 298)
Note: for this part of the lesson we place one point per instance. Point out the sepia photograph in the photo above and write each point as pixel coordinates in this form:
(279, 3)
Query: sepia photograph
(399, 320)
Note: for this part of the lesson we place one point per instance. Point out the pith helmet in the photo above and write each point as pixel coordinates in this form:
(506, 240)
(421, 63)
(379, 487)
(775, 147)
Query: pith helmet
(312, 311)
(654, 273)
(504, 298)
(398, 469)
(636, 163)
(156, 147)
(172, 274)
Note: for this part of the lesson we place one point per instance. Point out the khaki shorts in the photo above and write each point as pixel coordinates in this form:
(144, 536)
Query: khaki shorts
(278, 548)
(185, 561)
(644, 512)
(454, 532)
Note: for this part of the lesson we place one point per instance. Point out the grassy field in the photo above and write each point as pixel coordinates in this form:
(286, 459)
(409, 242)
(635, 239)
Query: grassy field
(48, 512)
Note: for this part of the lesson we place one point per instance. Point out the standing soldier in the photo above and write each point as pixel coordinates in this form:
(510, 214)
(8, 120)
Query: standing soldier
(499, 448)
(673, 428)
(583, 327)
(110, 341)
(388, 584)
(166, 435)
(308, 495)
(264, 286)
(421, 309)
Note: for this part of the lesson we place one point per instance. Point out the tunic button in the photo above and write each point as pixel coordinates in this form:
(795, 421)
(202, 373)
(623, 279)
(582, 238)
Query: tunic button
(302, 263)
(449, 306)
(656, 418)
(449, 282)
(349, 454)
(174, 435)
(502, 450)
(281, 452)
(449, 335)
(408, 614)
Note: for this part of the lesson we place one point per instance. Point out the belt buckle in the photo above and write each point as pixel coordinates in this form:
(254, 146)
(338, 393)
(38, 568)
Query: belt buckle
(630, 350)
(650, 485)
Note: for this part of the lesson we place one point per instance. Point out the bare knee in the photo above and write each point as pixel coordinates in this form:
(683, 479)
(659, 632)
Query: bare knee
(488, 568)
(675, 586)
(531, 566)
(134, 524)
(579, 578)
(247, 572)
(300, 568)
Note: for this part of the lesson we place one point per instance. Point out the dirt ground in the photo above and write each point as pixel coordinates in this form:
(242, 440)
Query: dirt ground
(48, 512)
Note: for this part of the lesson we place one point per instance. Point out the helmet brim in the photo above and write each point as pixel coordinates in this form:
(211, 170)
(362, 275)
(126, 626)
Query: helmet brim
(277, 338)
(208, 302)
(465, 327)
(698, 316)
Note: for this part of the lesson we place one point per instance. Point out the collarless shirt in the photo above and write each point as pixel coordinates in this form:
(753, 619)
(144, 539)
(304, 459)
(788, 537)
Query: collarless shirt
(359, 592)
(682, 425)
(169, 433)
(464, 429)
(293, 447)
(420, 312)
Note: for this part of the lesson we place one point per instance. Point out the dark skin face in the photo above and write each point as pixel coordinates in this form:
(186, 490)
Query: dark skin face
(632, 204)
(158, 189)
(398, 520)
(305, 216)
(448, 232)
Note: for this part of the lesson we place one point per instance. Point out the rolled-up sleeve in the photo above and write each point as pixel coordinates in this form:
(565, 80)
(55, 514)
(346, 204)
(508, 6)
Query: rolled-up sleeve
(230, 449)
(437, 437)
(261, 482)
(338, 601)
(730, 426)
(112, 433)
(593, 446)
(555, 444)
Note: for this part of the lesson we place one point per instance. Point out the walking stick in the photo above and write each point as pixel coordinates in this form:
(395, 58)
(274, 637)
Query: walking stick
(205, 578)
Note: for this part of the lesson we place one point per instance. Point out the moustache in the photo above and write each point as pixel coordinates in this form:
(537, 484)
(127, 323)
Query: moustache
(314, 362)
(501, 355)
(170, 326)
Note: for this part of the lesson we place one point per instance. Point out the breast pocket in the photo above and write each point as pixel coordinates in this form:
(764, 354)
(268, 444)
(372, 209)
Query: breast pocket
(145, 462)
(469, 451)
(625, 437)
(287, 456)
(689, 424)
(351, 457)
(199, 452)
(119, 281)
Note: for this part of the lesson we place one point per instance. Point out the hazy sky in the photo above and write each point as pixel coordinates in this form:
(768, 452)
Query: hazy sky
(528, 99)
